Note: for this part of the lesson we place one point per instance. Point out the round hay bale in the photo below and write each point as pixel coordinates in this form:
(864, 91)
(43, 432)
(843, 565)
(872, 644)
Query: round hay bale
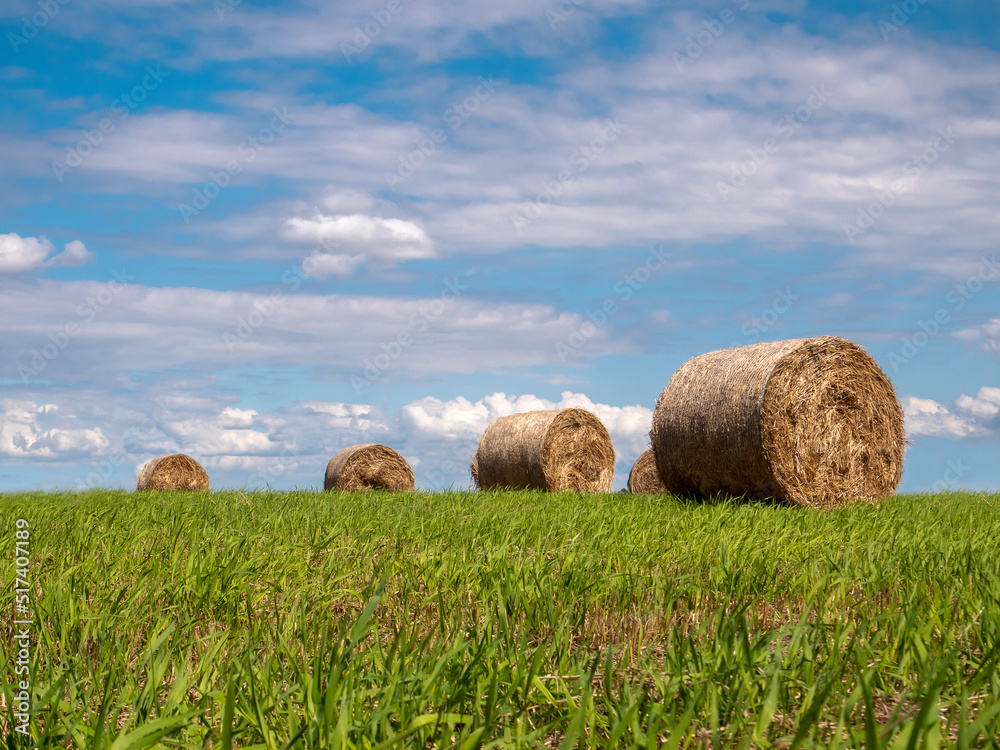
(806, 421)
(555, 449)
(173, 471)
(474, 471)
(644, 479)
(369, 466)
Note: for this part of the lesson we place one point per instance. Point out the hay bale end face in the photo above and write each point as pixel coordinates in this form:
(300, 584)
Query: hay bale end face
(555, 449)
(173, 471)
(369, 466)
(644, 479)
(806, 421)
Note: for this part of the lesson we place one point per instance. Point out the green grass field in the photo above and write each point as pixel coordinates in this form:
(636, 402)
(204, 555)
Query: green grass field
(467, 620)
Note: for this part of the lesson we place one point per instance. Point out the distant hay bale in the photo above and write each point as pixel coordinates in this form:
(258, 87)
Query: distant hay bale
(555, 449)
(806, 421)
(644, 479)
(369, 466)
(474, 470)
(173, 471)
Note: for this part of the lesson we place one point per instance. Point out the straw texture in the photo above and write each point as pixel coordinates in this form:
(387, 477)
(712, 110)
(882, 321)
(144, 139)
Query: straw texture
(806, 421)
(173, 471)
(644, 479)
(555, 449)
(366, 467)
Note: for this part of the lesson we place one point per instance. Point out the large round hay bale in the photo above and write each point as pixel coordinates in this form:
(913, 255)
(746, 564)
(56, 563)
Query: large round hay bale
(555, 449)
(369, 466)
(805, 421)
(644, 479)
(173, 471)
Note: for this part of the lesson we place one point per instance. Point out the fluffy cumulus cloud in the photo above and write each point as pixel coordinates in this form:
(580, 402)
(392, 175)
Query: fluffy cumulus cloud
(22, 254)
(40, 432)
(219, 438)
(972, 416)
(984, 406)
(927, 417)
(19, 254)
(345, 236)
(74, 254)
(351, 240)
(986, 335)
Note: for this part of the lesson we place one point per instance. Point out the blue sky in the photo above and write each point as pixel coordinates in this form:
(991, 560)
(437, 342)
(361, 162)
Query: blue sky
(258, 232)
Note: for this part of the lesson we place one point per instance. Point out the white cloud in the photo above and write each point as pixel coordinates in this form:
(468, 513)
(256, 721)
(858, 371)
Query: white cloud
(22, 254)
(348, 202)
(208, 438)
(75, 254)
(38, 432)
(354, 239)
(987, 334)
(389, 238)
(324, 265)
(19, 254)
(359, 418)
(683, 132)
(984, 406)
(974, 416)
(146, 329)
(629, 425)
(927, 417)
(231, 417)
(248, 465)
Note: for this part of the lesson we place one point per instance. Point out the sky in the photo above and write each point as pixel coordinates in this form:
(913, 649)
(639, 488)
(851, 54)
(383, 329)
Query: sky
(259, 232)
